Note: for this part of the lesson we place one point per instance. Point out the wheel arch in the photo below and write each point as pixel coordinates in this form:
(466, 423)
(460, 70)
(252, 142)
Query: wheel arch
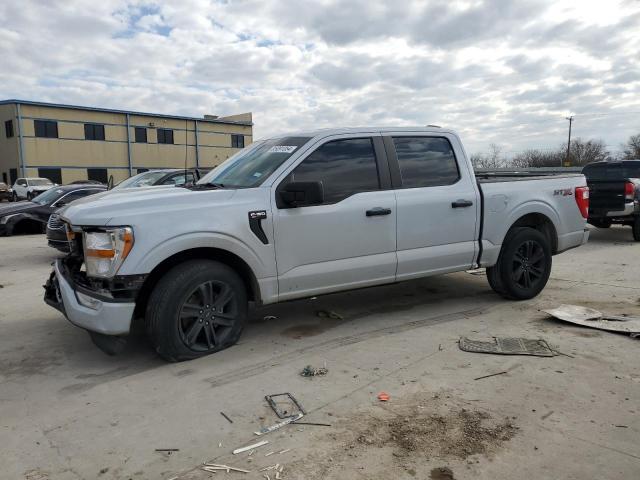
(240, 266)
(540, 222)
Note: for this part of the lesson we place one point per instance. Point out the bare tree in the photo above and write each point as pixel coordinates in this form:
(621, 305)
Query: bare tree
(631, 149)
(581, 152)
(539, 158)
(492, 159)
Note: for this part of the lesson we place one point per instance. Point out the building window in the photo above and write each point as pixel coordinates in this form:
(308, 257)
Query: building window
(46, 128)
(93, 131)
(53, 174)
(141, 135)
(98, 174)
(13, 175)
(237, 141)
(165, 135)
(4, 177)
(8, 128)
(141, 170)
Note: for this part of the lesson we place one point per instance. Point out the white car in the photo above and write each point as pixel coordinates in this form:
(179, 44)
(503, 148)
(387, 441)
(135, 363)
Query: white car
(29, 188)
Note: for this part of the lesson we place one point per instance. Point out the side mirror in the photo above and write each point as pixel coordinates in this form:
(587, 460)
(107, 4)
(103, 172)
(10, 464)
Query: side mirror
(300, 194)
(59, 203)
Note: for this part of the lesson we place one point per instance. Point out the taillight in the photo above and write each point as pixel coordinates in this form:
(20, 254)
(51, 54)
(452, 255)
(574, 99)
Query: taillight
(582, 199)
(628, 191)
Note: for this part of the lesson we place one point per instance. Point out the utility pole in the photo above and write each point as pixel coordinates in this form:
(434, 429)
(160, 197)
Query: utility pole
(567, 162)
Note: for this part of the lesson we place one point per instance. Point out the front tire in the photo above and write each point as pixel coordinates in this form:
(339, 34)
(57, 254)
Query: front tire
(197, 308)
(14, 197)
(524, 265)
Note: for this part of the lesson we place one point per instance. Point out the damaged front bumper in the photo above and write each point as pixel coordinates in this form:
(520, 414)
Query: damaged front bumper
(86, 308)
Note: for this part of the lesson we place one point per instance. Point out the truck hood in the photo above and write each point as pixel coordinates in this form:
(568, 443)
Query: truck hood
(115, 207)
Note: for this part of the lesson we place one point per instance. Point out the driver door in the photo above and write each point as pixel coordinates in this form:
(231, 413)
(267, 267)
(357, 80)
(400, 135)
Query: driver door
(348, 240)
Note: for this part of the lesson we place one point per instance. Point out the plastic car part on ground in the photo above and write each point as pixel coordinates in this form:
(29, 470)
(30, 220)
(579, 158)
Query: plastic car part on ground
(508, 346)
(589, 317)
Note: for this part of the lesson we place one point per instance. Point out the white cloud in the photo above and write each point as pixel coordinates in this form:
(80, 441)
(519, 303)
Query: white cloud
(496, 70)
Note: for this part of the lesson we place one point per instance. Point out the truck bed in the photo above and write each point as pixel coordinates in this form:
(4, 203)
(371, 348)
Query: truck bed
(494, 177)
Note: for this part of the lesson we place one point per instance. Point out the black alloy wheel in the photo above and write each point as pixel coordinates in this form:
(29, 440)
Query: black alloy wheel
(197, 308)
(524, 264)
(528, 264)
(208, 315)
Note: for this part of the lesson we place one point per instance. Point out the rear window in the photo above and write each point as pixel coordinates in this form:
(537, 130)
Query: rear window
(426, 161)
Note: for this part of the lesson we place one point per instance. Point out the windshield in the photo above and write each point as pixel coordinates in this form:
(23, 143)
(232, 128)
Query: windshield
(38, 182)
(143, 179)
(49, 196)
(253, 165)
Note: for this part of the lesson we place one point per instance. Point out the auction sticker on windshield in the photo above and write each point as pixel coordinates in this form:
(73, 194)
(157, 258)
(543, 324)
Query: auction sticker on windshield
(282, 149)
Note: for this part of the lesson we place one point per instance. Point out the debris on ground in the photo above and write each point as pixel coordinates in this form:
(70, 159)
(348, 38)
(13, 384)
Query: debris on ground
(441, 473)
(507, 346)
(310, 371)
(278, 425)
(250, 447)
(491, 375)
(227, 418)
(329, 314)
(269, 318)
(313, 424)
(589, 317)
(168, 451)
(214, 467)
(477, 271)
(383, 397)
(284, 405)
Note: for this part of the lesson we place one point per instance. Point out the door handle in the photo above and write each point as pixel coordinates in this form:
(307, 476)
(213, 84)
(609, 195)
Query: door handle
(378, 211)
(461, 204)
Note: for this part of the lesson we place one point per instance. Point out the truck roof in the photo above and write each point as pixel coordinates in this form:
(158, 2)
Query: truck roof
(323, 132)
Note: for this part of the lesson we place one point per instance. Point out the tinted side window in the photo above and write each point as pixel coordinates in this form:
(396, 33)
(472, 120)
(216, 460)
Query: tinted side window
(426, 161)
(344, 167)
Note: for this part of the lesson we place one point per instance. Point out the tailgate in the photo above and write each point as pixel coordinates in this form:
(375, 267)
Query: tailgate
(606, 195)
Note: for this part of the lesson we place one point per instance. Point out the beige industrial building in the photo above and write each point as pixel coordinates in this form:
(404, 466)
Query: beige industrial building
(66, 143)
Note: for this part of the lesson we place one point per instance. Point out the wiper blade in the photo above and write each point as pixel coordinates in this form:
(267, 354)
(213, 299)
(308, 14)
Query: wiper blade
(205, 186)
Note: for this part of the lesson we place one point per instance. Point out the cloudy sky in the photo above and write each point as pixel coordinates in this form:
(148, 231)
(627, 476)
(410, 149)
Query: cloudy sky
(498, 71)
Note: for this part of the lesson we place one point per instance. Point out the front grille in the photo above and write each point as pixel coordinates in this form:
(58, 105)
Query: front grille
(55, 222)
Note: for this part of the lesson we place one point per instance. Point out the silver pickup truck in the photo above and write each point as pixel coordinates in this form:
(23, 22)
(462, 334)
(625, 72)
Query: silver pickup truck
(300, 215)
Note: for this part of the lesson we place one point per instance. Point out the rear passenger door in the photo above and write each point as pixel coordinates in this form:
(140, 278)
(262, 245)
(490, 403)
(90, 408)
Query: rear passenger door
(347, 241)
(437, 205)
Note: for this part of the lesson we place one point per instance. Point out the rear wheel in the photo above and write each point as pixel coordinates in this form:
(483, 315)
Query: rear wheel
(14, 197)
(524, 265)
(636, 228)
(197, 308)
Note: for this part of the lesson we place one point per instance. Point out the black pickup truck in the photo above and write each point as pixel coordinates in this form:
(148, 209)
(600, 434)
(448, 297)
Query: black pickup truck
(614, 194)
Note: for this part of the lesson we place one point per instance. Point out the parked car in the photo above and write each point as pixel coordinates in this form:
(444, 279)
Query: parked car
(303, 215)
(5, 192)
(31, 216)
(173, 177)
(614, 188)
(28, 188)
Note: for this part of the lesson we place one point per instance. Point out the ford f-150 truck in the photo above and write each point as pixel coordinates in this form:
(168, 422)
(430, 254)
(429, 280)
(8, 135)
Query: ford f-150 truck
(301, 215)
(614, 194)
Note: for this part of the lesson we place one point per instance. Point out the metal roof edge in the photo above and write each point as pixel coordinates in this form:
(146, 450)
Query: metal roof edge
(113, 110)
